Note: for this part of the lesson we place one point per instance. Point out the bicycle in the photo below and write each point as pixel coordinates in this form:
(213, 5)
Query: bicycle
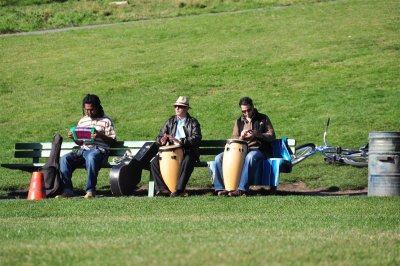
(333, 155)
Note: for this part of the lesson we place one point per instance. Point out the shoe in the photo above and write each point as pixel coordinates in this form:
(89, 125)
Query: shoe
(163, 193)
(237, 193)
(64, 195)
(178, 194)
(89, 195)
(223, 193)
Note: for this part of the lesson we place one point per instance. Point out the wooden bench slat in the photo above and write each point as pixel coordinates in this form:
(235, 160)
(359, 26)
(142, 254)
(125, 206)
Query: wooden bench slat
(29, 154)
(213, 143)
(28, 146)
(211, 151)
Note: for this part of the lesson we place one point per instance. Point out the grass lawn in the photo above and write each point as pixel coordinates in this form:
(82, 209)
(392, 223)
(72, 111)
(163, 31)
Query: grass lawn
(33, 15)
(201, 230)
(300, 63)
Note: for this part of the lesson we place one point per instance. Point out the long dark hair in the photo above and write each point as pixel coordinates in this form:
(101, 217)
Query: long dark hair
(95, 101)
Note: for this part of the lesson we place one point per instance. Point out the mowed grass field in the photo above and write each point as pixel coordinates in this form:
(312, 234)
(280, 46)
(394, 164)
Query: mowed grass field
(300, 63)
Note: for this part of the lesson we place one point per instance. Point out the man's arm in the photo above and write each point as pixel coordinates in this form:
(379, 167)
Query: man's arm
(107, 139)
(269, 134)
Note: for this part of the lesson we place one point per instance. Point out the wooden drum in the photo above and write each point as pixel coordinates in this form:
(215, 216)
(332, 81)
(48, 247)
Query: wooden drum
(232, 164)
(170, 164)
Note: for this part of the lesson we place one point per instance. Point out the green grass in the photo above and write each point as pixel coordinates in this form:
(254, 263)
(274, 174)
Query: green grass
(32, 15)
(301, 63)
(201, 230)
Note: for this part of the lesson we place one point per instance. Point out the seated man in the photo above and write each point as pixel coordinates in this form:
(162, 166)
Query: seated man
(92, 153)
(184, 130)
(256, 129)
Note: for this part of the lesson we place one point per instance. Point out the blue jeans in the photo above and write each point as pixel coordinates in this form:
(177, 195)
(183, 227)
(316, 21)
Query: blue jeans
(93, 160)
(252, 169)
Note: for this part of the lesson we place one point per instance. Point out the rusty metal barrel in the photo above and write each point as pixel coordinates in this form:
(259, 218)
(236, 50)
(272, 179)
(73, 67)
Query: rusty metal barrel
(384, 164)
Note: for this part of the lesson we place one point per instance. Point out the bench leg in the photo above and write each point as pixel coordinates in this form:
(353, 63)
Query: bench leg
(151, 186)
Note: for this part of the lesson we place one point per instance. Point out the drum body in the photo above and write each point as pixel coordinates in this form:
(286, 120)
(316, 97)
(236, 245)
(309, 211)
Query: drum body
(232, 164)
(170, 164)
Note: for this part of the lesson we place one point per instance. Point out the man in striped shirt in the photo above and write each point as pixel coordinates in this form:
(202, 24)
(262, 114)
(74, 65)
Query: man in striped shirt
(93, 152)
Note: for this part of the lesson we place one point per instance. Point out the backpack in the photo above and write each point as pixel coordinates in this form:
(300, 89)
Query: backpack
(51, 170)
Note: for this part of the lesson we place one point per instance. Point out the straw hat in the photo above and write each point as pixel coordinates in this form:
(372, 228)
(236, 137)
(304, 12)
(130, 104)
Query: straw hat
(183, 101)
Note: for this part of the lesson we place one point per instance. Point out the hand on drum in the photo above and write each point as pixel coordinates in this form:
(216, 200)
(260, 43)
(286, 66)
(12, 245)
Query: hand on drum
(174, 140)
(170, 138)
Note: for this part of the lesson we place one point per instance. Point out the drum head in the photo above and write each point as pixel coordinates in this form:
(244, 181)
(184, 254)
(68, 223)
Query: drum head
(236, 141)
(169, 148)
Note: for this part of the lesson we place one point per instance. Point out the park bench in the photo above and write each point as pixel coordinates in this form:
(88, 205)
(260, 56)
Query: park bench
(38, 153)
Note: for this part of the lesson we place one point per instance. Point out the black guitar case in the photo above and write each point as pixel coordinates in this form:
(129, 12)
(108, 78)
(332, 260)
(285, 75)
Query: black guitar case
(127, 174)
(51, 170)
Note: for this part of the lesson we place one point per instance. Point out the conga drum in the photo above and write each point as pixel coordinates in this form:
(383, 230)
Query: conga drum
(232, 164)
(170, 164)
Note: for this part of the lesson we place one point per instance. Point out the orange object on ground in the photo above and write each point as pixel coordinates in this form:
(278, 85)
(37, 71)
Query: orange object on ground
(37, 189)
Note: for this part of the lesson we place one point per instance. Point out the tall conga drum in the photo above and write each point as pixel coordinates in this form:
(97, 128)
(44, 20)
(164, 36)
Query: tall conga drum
(232, 164)
(170, 164)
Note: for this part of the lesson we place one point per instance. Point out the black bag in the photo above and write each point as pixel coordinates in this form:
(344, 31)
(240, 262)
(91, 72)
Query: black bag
(51, 170)
(125, 176)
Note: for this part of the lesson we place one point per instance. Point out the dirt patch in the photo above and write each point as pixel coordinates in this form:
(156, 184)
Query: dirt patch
(296, 188)
(286, 189)
(299, 188)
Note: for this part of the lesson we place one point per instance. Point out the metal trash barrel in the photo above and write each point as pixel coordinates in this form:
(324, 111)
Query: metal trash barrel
(384, 164)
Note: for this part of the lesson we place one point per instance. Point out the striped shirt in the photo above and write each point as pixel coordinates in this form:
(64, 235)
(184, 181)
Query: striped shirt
(103, 125)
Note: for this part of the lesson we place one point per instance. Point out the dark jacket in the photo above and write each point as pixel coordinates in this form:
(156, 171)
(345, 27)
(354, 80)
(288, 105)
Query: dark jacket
(260, 123)
(192, 131)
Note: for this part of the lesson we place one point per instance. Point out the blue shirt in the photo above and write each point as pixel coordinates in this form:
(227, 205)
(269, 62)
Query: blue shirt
(180, 133)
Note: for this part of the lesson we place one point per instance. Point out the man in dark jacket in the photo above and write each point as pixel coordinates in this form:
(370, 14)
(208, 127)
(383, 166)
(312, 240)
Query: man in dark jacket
(184, 130)
(256, 129)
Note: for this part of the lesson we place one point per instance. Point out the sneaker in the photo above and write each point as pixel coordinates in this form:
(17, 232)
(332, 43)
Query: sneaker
(237, 193)
(89, 195)
(222, 193)
(163, 193)
(178, 194)
(64, 195)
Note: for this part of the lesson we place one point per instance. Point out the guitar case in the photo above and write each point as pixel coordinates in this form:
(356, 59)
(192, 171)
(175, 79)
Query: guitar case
(127, 174)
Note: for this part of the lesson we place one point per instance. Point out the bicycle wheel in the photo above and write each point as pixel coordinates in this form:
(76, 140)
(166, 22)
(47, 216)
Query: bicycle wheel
(356, 159)
(302, 152)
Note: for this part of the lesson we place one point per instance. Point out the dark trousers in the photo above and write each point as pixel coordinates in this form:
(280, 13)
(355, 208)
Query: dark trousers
(187, 167)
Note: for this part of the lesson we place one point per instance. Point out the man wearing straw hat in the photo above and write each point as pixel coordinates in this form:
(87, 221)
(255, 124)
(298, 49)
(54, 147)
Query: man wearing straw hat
(184, 130)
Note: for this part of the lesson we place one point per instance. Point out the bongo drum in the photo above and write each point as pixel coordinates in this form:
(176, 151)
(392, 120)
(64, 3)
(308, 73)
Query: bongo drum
(232, 164)
(170, 164)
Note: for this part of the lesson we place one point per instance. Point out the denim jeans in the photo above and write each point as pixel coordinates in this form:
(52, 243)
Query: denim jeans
(252, 169)
(93, 160)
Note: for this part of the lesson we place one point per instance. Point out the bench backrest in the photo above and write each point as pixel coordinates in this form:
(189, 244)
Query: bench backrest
(38, 150)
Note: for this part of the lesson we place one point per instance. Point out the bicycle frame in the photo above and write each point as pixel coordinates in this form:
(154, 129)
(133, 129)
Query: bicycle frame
(332, 155)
